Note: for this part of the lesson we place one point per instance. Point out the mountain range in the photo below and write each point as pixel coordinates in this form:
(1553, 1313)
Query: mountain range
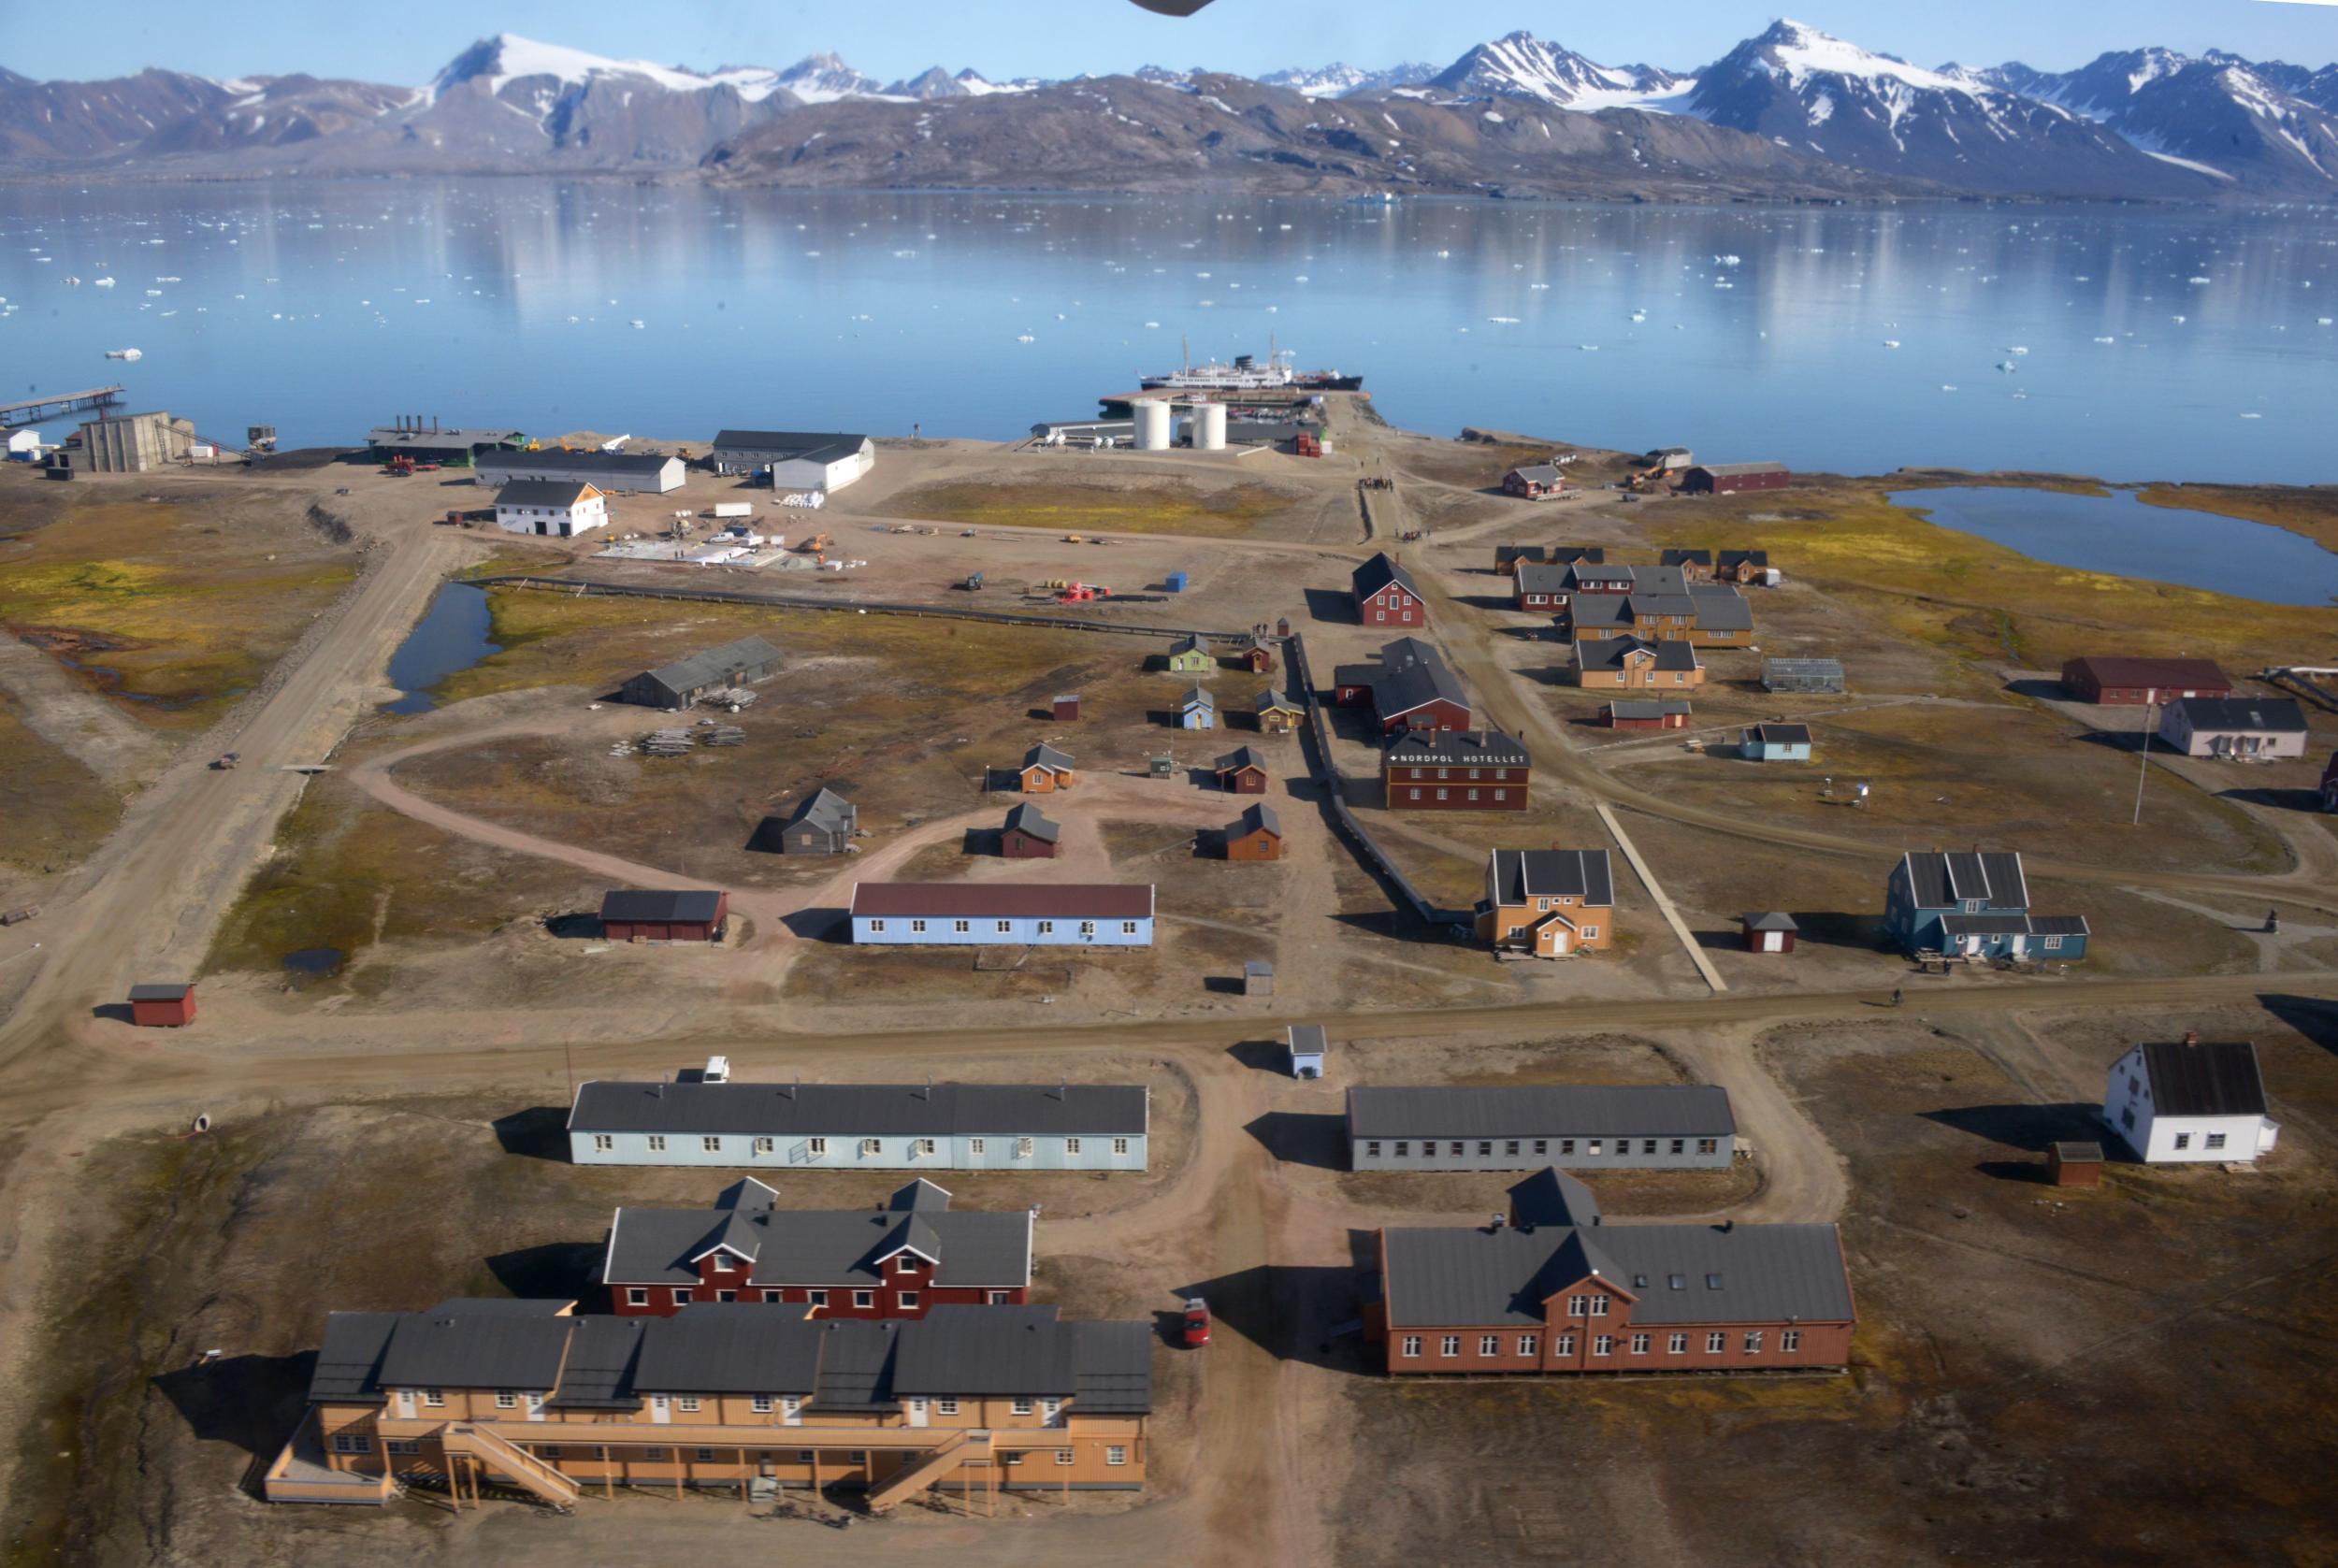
(1790, 114)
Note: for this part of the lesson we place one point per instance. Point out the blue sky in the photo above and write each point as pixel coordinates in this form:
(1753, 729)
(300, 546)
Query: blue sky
(410, 41)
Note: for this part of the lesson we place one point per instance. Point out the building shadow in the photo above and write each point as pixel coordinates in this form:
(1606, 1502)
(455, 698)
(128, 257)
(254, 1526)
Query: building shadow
(2277, 799)
(2027, 1127)
(250, 1401)
(1489, 601)
(2312, 1016)
(1334, 607)
(768, 836)
(113, 1012)
(539, 1132)
(1003, 780)
(2040, 688)
(562, 1271)
(1209, 843)
(1316, 1139)
(574, 926)
(829, 923)
(1834, 928)
(1261, 1056)
(1292, 1312)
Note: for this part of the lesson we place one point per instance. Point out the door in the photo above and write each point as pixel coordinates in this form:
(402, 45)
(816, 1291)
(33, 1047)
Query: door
(405, 1399)
(917, 1413)
(1558, 941)
(661, 1409)
(1773, 942)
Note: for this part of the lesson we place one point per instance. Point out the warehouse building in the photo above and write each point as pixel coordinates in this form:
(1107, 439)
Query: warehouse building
(648, 473)
(664, 914)
(684, 681)
(1001, 913)
(133, 443)
(456, 446)
(862, 1127)
(2116, 680)
(1648, 1127)
(795, 459)
(1729, 479)
(549, 507)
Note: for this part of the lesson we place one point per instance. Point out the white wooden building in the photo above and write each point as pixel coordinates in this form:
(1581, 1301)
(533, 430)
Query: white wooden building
(2173, 1101)
(813, 460)
(556, 509)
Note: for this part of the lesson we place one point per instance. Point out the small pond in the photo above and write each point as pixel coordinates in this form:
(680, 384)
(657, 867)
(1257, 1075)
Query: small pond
(309, 964)
(451, 637)
(2118, 534)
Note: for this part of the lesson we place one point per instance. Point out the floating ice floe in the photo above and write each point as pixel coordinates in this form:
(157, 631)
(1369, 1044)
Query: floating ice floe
(1891, 342)
(124, 353)
(1503, 321)
(102, 284)
(2015, 349)
(1945, 387)
(1025, 338)
(2252, 416)
(2106, 339)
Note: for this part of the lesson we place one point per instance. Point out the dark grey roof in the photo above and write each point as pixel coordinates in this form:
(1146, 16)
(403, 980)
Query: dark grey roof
(987, 1350)
(716, 664)
(1541, 1111)
(1377, 573)
(550, 460)
(1027, 818)
(1356, 674)
(1521, 874)
(1645, 601)
(2270, 715)
(828, 810)
(1937, 879)
(1601, 612)
(1608, 652)
(1566, 554)
(1658, 580)
(1044, 755)
(860, 1110)
(1985, 925)
(1307, 1040)
(1770, 920)
(1541, 577)
(1255, 817)
(1459, 748)
(1517, 553)
(1454, 1276)
(684, 904)
(1647, 708)
(541, 493)
(1729, 558)
(1686, 557)
(1188, 644)
(856, 1367)
(919, 1197)
(2057, 925)
(1198, 697)
(598, 1375)
(1780, 734)
(1721, 608)
(1270, 698)
(1540, 473)
(2209, 1078)
(1113, 1362)
(820, 1247)
(815, 446)
(1552, 1197)
(474, 1349)
(1242, 756)
(1593, 567)
(172, 991)
(1415, 683)
(351, 1357)
(727, 1347)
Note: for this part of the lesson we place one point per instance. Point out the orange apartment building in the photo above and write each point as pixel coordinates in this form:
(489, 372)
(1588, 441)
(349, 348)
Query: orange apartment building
(1557, 1290)
(1635, 663)
(526, 1396)
(1551, 902)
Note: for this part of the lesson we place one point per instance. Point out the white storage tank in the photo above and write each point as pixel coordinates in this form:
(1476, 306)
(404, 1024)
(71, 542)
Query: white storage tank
(1209, 427)
(1154, 423)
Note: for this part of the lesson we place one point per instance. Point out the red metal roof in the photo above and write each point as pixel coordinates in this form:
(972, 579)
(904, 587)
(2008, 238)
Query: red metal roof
(1092, 901)
(2182, 674)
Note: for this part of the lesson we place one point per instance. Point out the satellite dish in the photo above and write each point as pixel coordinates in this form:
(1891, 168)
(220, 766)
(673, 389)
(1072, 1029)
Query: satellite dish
(1173, 7)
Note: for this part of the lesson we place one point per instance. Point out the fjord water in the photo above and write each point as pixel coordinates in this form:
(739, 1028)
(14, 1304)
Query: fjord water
(2161, 344)
(2118, 534)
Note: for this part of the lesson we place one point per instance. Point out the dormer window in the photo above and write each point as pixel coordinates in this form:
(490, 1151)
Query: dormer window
(722, 1262)
(906, 1264)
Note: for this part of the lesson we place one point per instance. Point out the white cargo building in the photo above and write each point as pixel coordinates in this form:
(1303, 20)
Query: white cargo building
(796, 459)
(557, 509)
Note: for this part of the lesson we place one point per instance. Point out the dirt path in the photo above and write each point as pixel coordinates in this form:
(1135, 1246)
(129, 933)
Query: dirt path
(77, 720)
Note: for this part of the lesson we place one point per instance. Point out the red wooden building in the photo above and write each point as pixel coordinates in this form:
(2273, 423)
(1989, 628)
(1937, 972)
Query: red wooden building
(1648, 713)
(901, 1259)
(1066, 707)
(1771, 930)
(162, 1006)
(1242, 771)
(2119, 682)
(1030, 834)
(664, 914)
(1729, 479)
(1465, 771)
(1386, 595)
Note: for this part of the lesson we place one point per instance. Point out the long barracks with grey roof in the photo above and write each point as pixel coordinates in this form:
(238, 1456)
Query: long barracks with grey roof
(1576, 1127)
(863, 1126)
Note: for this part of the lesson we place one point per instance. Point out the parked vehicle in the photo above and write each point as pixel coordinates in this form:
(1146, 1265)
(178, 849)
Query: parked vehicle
(1196, 1323)
(226, 764)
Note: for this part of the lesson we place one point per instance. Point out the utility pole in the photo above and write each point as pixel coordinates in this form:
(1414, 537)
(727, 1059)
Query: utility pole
(2142, 768)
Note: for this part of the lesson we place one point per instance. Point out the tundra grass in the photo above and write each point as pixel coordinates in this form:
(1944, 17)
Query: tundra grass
(57, 811)
(1145, 505)
(2310, 509)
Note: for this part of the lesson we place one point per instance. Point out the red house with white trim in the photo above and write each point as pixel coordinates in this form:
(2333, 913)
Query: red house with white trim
(900, 1260)
(1386, 595)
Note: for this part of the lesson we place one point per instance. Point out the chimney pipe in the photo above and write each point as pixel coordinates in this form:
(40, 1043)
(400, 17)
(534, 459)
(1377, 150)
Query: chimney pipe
(2191, 1037)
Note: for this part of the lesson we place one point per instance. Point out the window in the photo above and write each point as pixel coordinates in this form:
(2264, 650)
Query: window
(1443, 792)
(1677, 1282)
(1485, 1148)
(1449, 1345)
(2053, 943)
(1022, 1407)
(1639, 1345)
(925, 1148)
(1128, 927)
(1411, 1346)
(1599, 1306)
(1413, 794)
(1046, 928)
(1489, 1344)
(1022, 1148)
(1454, 1148)
(1542, 1145)
(999, 1298)
(1120, 1146)
(961, 928)
(764, 1146)
(507, 1400)
(1648, 1145)
(1567, 1345)
(946, 1406)
(906, 1263)
(637, 1296)
(917, 928)
(1680, 1145)
(724, 1263)
(1715, 1343)
(2183, 1140)
(1567, 1145)
(762, 1404)
(1677, 1345)
(687, 1401)
(1790, 1339)
(1403, 1150)
(977, 1145)
(352, 1442)
(1087, 927)
(1529, 1343)
(1064, 1456)
(1709, 1145)
(1712, 1282)
(1050, 1408)
(1071, 1145)
(1510, 1148)
(1579, 1306)
(1594, 1146)
(604, 1143)
(1004, 927)
(725, 1295)
(1372, 1150)
(864, 1297)
(413, 1445)
(775, 1295)
(1603, 1345)
(817, 1298)
(816, 1148)
(712, 1145)
(908, 1299)
(1753, 1342)
(2127, 1119)
(1115, 1454)
(871, 1147)
(705, 1456)
(2215, 1139)
(682, 1295)
(876, 927)
(657, 1143)
(1590, 932)
(653, 1453)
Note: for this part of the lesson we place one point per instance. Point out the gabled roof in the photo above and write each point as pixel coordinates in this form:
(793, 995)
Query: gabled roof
(987, 1350)
(918, 1195)
(1459, 748)
(1541, 577)
(1730, 558)
(1721, 608)
(544, 493)
(1686, 557)
(1770, 920)
(1047, 756)
(1271, 699)
(1198, 697)
(2264, 716)
(1612, 653)
(1539, 473)
(1648, 708)
(1722, 469)
(715, 664)
(815, 446)
(1780, 734)
(1377, 573)
(1541, 1110)
(1062, 900)
(2204, 1078)
(1522, 875)
(1517, 553)
(971, 1247)
(1937, 879)
(462, 1344)
(1258, 818)
(688, 906)
(349, 1360)
(1239, 758)
(859, 1110)
(1188, 644)
(828, 810)
(1027, 818)
(1414, 684)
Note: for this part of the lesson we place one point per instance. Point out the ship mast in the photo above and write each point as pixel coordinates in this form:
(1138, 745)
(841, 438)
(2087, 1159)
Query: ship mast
(1185, 351)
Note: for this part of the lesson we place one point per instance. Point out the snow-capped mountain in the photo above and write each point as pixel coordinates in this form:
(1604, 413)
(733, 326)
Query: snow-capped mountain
(1522, 65)
(1337, 80)
(823, 79)
(507, 58)
(2262, 125)
(1810, 91)
(935, 82)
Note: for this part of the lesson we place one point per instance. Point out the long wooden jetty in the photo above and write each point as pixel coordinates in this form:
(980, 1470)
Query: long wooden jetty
(31, 410)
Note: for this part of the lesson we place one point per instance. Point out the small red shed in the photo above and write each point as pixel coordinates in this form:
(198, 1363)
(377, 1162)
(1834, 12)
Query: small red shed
(1242, 773)
(2074, 1164)
(162, 1006)
(1067, 708)
(664, 914)
(1770, 931)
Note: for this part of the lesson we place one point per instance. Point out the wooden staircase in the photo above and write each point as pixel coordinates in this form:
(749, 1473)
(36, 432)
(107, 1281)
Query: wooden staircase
(509, 1459)
(929, 1467)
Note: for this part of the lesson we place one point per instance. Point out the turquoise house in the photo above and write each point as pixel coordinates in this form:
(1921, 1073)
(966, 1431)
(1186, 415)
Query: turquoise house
(1775, 742)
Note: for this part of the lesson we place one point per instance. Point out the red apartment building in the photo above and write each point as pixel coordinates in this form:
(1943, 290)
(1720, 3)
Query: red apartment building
(1457, 770)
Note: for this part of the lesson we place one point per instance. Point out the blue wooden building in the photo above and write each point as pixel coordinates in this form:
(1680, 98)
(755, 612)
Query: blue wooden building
(1775, 742)
(1975, 906)
(1001, 913)
(1197, 710)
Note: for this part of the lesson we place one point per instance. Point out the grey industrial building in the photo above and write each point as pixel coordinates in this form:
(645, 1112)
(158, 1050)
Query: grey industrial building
(651, 474)
(133, 443)
(823, 825)
(454, 444)
(1576, 1127)
(684, 681)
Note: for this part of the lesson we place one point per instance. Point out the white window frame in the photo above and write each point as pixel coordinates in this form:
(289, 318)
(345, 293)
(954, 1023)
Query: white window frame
(1071, 1148)
(864, 1297)
(946, 1408)
(1789, 1340)
(687, 1402)
(762, 1404)
(765, 1146)
(711, 1144)
(961, 928)
(1449, 1346)
(977, 1145)
(1115, 1454)
(1489, 1344)
(1120, 1146)
(917, 928)
(1021, 1407)
(1677, 1345)
(682, 1295)
(815, 1298)
(923, 1149)
(1716, 1342)
(1410, 1346)
(637, 1296)
(657, 1143)
(604, 1143)
(815, 1147)
(876, 927)
(872, 1147)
